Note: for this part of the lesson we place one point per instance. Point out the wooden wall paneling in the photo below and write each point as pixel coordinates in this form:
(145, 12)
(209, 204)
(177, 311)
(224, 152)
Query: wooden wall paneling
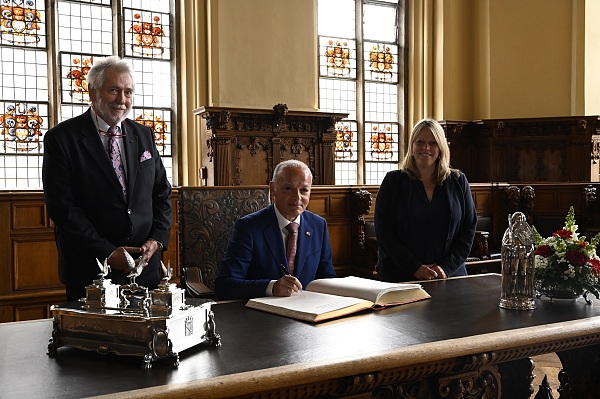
(36, 263)
(561, 149)
(29, 258)
(332, 203)
(253, 155)
(32, 312)
(6, 261)
(459, 135)
(552, 202)
(33, 249)
(6, 314)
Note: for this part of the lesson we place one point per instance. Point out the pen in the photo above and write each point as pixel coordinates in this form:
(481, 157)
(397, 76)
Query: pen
(284, 270)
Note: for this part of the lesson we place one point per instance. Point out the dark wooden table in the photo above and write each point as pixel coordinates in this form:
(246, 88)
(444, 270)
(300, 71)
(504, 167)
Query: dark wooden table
(459, 336)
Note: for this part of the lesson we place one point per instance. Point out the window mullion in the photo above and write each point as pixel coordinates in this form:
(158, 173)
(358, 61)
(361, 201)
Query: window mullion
(360, 93)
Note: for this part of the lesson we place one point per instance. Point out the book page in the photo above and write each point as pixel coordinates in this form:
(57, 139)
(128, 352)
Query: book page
(371, 290)
(311, 306)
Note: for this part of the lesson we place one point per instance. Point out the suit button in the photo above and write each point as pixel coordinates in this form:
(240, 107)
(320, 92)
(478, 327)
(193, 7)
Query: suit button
(129, 211)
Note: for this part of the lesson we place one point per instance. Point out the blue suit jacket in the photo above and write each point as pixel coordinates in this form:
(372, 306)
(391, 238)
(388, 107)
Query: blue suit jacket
(86, 203)
(256, 252)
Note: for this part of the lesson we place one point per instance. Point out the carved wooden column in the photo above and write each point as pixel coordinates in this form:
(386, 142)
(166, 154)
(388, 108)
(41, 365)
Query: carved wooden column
(243, 146)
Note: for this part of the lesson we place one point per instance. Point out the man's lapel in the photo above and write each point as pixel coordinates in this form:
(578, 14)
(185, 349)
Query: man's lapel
(131, 150)
(90, 140)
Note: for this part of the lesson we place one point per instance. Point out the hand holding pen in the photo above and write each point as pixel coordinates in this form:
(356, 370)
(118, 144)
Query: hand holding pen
(287, 284)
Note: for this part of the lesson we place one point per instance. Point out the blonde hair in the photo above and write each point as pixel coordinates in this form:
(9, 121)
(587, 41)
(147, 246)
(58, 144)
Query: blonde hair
(442, 164)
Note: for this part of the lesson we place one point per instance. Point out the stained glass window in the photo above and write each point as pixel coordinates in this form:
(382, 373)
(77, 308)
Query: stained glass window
(361, 80)
(85, 32)
(23, 23)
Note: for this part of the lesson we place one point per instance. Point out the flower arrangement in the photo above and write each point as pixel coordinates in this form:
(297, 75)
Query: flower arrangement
(566, 261)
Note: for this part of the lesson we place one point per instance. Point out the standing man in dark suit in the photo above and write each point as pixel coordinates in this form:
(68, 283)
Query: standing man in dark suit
(256, 263)
(105, 186)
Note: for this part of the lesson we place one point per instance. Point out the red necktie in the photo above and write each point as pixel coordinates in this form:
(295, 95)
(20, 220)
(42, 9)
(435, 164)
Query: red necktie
(114, 154)
(291, 245)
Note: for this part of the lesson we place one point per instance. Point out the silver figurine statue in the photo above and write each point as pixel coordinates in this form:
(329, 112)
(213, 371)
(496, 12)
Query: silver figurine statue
(518, 247)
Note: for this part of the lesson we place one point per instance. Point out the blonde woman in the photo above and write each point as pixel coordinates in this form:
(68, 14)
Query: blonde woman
(424, 214)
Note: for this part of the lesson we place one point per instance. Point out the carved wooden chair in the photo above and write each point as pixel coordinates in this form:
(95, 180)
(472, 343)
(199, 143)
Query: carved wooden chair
(206, 219)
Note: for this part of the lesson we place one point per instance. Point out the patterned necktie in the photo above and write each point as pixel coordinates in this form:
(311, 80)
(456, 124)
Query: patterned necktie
(291, 245)
(114, 154)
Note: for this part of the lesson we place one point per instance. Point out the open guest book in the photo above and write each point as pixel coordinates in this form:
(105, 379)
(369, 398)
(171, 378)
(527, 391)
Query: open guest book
(329, 298)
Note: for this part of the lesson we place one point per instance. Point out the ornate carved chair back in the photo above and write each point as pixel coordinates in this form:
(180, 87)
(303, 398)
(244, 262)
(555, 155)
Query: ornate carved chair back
(206, 219)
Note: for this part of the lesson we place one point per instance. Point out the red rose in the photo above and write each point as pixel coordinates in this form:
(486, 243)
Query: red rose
(543, 250)
(564, 234)
(595, 263)
(576, 258)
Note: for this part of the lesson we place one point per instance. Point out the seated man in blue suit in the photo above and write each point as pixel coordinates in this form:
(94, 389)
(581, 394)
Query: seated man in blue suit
(256, 263)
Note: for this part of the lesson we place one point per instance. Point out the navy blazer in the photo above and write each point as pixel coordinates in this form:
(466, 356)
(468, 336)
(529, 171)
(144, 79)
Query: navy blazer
(85, 201)
(256, 252)
(396, 262)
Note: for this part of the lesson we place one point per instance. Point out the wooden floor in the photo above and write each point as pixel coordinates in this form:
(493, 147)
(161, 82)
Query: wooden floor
(549, 365)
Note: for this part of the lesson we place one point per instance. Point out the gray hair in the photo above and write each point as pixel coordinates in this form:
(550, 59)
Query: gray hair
(97, 74)
(290, 163)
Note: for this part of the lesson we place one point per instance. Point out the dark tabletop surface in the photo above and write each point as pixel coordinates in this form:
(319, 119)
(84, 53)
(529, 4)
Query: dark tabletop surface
(254, 340)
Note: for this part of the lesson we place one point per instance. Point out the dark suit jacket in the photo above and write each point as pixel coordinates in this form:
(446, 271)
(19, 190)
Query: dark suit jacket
(256, 252)
(396, 261)
(86, 204)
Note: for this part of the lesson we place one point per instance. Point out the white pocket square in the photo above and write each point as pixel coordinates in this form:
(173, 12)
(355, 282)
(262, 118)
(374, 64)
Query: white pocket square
(145, 156)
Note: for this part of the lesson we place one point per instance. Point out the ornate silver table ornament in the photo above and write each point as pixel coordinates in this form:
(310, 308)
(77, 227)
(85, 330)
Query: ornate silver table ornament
(167, 297)
(518, 247)
(129, 320)
(102, 293)
(134, 296)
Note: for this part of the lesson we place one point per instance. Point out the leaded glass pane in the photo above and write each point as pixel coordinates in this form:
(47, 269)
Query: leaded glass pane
(337, 57)
(345, 141)
(84, 27)
(74, 68)
(337, 18)
(147, 34)
(381, 142)
(150, 5)
(152, 83)
(380, 22)
(346, 173)
(20, 172)
(381, 102)
(23, 23)
(70, 111)
(22, 125)
(381, 62)
(24, 74)
(338, 95)
(375, 171)
(159, 121)
(102, 2)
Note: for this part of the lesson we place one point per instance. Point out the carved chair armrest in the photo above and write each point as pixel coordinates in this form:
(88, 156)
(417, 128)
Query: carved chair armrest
(480, 248)
(191, 281)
